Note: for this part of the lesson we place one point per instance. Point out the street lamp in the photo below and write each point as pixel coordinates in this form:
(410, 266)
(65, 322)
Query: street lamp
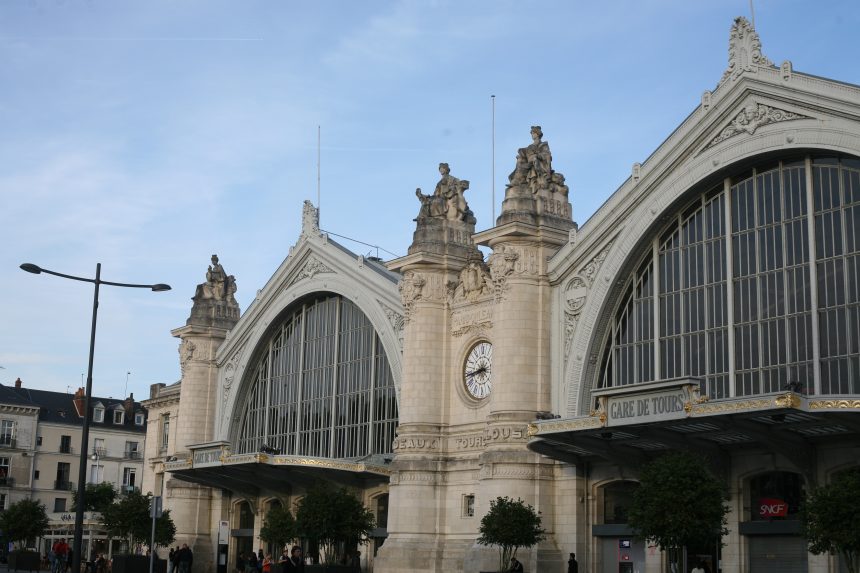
(85, 434)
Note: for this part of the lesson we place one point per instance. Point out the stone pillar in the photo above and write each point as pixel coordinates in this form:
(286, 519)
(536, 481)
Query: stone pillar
(534, 223)
(214, 312)
(442, 246)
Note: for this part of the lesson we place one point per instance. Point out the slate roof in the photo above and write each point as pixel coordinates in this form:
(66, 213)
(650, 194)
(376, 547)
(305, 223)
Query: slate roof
(59, 408)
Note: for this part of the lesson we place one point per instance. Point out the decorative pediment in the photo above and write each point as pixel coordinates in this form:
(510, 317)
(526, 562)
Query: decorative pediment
(312, 267)
(750, 118)
(744, 50)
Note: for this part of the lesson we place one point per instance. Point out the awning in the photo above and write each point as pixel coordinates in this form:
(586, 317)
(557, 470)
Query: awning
(634, 424)
(251, 474)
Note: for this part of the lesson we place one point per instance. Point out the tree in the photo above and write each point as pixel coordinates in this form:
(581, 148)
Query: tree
(678, 503)
(335, 518)
(97, 496)
(831, 518)
(128, 517)
(510, 524)
(24, 521)
(279, 526)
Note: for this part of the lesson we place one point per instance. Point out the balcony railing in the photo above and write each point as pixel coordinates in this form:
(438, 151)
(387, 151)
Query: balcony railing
(65, 449)
(100, 452)
(132, 455)
(7, 441)
(63, 485)
(127, 489)
(7, 481)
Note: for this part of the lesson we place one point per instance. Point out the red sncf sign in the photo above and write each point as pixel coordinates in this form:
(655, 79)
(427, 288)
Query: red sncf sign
(772, 507)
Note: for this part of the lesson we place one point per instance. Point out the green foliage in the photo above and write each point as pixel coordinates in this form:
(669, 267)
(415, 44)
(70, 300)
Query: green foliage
(678, 503)
(334, 518)
(510, 524)
(279, 527)
(24, 521)
(97, 496)
(128, 517)
(831, 518)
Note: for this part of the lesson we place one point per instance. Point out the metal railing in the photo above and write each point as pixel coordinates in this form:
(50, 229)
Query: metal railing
(7, 481)
(7, 441)
(66, 449)
(63, 485)
(132, 455)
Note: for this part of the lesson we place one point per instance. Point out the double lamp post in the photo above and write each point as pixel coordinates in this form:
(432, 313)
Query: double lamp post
(77, 546)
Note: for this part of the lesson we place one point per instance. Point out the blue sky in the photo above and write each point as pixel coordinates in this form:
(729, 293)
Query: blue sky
(147, 135)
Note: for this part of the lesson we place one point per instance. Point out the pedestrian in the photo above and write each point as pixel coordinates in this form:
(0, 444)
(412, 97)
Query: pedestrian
(267, 563)
(260, 559)
(170, 557)
(240, 563)
(516, 566)
(698, 568)
(295, 562)
(355, 563)
(185, 559)
(572, 565)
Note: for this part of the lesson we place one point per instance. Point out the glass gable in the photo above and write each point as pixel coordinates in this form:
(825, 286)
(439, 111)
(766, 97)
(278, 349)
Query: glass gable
(321, 386)
(741, 288)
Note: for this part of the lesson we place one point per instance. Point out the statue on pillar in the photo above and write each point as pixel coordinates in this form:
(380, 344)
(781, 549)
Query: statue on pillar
(534, 165)
(215, 299)
(447, 201)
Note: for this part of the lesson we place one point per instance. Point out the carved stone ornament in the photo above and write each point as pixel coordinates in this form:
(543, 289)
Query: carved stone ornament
(229, 375)
(312, 267)
(474, 318)
(501, 265)
(310, 219)
(533, 169)
(410, 288)
(576, 292)
(752, 117)
(475, 283)
(186, 353)
(744, 50)
(397, 321)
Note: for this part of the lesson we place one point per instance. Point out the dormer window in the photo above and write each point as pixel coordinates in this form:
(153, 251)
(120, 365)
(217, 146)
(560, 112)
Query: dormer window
(118, 417)
(98, 414)
(138, 419)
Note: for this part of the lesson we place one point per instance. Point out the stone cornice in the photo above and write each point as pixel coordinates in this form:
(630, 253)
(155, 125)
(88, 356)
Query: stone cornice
(17, 409)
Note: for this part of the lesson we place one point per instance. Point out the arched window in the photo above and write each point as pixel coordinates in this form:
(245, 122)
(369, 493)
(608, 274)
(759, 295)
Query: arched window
(753, 287)
(617, 498)
(320, 385)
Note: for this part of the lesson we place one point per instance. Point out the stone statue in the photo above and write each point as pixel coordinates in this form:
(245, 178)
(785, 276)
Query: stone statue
(534, 164)
(218, 285)
(447, 201)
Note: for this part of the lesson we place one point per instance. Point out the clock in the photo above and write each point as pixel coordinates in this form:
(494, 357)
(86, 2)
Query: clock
(478, 370)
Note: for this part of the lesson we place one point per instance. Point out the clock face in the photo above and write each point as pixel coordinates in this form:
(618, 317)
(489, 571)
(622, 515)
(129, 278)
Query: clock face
(478, 370)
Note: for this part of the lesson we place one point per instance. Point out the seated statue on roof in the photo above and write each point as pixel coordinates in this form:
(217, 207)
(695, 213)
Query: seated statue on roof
(448, 200)
(534, 164)
(218, 285)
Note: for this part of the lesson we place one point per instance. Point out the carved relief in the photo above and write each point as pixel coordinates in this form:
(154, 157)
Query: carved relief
(410, 288)
(229, 374)
(473, 319)
(397, 321)
(744, 50)
(501, 265)
(497, 434)
(416, 444)
(752, 117)
(576, 293)
(186, 353)
(312, 267)
(475, 282)
(470, 442)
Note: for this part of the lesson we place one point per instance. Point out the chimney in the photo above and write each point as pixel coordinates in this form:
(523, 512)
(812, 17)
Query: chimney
(79, 402)
(18, 383)
(155, 388)
(129, 405)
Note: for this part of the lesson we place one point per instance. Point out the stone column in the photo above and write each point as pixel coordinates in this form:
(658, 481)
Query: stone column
(214, 312)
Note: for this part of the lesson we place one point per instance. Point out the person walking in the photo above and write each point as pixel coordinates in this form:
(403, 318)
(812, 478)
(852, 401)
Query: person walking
(60, 549)
(170, 557)
(572, 565)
